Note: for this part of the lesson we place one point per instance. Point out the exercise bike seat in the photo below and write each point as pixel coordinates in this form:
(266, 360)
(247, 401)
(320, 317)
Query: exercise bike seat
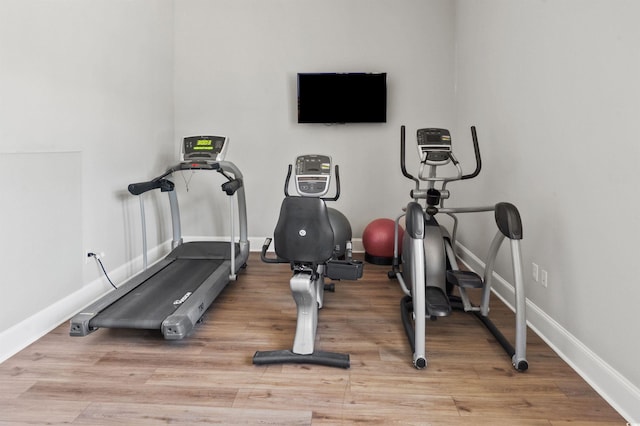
(437, 302)
(303, 233)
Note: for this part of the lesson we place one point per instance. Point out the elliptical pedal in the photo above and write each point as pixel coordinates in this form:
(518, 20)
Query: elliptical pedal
(437, 302)
(464, 279)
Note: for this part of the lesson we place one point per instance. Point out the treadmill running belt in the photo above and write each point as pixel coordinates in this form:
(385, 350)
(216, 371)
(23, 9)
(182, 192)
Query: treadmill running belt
(151, 302)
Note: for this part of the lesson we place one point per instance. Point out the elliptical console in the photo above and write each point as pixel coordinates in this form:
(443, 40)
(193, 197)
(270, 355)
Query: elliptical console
(434, 146)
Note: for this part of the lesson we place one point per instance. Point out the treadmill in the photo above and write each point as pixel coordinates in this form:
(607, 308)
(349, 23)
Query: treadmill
(173, 294)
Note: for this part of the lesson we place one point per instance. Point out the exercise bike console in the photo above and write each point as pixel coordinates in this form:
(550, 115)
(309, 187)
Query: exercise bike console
(313, 174)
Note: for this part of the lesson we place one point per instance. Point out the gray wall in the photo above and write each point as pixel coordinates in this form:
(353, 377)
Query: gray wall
(86, 107)
(236, 64)
(553, 88)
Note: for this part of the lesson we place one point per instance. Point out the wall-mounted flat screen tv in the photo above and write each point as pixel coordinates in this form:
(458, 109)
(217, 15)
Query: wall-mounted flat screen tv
(342, 98)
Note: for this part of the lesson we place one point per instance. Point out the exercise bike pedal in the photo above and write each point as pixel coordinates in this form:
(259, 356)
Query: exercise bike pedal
(437, 302)
(464, 279)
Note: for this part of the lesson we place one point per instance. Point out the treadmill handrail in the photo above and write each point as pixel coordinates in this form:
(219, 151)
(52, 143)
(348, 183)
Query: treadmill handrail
(234, 186)
(162, 184)
(221, 166)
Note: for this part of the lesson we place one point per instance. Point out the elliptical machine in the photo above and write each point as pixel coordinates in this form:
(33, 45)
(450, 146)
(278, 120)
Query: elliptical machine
(429, 270)
(316, 241)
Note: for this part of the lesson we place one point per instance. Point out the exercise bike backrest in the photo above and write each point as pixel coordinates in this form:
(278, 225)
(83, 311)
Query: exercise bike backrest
(304, 233)
(434, 149)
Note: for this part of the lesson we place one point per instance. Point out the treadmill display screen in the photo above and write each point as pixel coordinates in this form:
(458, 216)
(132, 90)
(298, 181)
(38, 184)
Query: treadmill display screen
(204, 148)
(204, 144)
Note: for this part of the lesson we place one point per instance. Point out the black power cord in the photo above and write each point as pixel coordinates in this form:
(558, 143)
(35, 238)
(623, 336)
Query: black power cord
(95, 256)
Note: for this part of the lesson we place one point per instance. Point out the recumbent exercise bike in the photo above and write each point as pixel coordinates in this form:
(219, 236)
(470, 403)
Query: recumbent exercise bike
(316, 241)
(429, 271)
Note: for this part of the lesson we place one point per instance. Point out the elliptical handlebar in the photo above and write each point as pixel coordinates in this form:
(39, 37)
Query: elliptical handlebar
(403, 166)
(476, 151)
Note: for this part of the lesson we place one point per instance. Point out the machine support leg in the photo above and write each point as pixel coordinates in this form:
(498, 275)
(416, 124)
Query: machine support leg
(419, 303)
(304, 293)
(520, 357)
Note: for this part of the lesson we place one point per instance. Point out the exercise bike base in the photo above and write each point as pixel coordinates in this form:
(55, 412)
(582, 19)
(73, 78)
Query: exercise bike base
(331, 359)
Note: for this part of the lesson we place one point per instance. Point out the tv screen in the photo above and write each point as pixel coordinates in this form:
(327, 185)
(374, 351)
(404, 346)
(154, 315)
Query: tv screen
(342, 98)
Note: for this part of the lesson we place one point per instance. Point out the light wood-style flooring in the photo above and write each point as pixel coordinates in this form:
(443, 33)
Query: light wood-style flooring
(135, 377)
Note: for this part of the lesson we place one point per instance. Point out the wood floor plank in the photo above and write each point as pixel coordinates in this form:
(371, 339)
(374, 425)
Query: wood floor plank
(12, 387)
(137, 377)
(109, 391)
(533, 406)
(101, 413)
(20, 412)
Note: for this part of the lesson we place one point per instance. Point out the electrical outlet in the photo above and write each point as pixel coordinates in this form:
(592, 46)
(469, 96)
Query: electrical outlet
(544, 278)
(89, 255)
(534, 271)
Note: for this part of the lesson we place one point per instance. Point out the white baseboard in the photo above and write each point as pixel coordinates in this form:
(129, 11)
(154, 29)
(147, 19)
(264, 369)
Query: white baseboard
(621, 394)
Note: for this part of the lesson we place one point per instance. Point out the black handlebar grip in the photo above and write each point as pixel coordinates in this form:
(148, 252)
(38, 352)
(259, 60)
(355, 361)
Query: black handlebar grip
(263, 254)
(403, 166)
(231, 186)
(286, 181)
(142, 187)
(476, 151)
(337, 182)
(508, 220)
(335, 197)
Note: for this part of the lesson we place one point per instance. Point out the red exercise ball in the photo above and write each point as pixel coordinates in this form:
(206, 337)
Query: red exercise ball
(377, 240)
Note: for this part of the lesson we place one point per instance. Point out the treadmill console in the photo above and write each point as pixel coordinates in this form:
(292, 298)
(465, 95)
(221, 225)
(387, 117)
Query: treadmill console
(312, 175)
(204, 148)
(434, 146)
